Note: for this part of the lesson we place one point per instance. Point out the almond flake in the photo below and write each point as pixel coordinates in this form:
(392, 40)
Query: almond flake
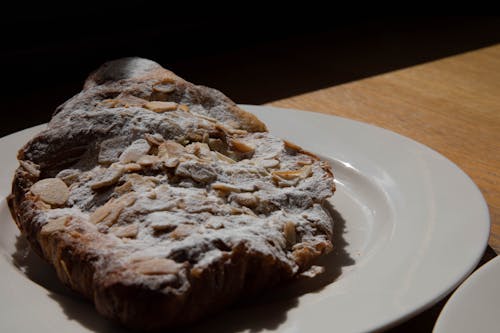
(182, 231)
(148, 160)
(110, 212)
(110, 177)
(167, 86)
(224, 158)
(132, 167)
(136, 150)
(301, 173)
(154, 139)
(32, 168)
(101, 212)
(246, 199)
(156, 266)
(170, 149)
(225, 187)
(292, 145)
(290, 233)
(269, 163)
(51, 190)
(160, 107)
(242, 146)
(230, 130)
(54, 225)
(124, 188)
(128, 231)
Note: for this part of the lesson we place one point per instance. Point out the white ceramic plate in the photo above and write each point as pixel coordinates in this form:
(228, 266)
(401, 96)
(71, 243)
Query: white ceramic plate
(475, 305)
(410, 226)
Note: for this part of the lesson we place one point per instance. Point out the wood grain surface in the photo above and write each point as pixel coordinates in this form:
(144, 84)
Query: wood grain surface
(451, 105)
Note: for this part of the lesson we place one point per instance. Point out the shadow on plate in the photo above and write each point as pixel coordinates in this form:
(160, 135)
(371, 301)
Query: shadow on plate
(266, 311)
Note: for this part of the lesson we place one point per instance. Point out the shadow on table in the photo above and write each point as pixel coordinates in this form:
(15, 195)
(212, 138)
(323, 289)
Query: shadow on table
(267, 311)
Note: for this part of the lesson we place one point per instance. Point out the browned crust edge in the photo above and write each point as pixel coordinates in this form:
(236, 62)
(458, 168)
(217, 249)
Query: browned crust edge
(240, 272)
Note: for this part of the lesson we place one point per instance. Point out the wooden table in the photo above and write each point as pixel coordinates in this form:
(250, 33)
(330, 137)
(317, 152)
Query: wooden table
(451, 105)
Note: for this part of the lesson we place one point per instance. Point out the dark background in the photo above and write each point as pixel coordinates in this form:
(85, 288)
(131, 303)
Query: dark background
(252, 57)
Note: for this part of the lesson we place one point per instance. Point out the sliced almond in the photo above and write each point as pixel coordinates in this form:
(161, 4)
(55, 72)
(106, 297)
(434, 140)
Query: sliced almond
(292, 145)
(166, 86)
(302, 173)
(286, 174)
(200, 172)
(242, 146)
(128, 231)
(124, 188)
(170, 149)
(117, 208)
(110, 103)
(184, 107)
(54, 225)
(269, 163)
(136, 150)
(165, 227)
(32, 168)
(230, 130)
(40, 205)
(182, 231)
(200, 150)
(51, 190)
(306, 161)
(110, 177)
(290, 233)
(68, 176)
(210, 119)
(306, 172)
(154, 139)
(101, 212)
(215, 222)
(171, 162)
(160, 107)
(141, 183)
(131, 101)
(126, 200)
(246, 199)
(225, 187)
(156, 266)
(148, 160)
(224, 158)
(132, 167)
(247, 211)
(113, 215)
(110, 212)
(123, 101)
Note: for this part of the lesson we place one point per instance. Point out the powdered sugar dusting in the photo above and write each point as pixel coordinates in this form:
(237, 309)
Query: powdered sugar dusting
(199, 196)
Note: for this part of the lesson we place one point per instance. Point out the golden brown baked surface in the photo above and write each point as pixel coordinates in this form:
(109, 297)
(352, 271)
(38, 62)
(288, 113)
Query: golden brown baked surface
(162, 201)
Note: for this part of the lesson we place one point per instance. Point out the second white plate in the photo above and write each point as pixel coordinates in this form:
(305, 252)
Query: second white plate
(475, 305)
